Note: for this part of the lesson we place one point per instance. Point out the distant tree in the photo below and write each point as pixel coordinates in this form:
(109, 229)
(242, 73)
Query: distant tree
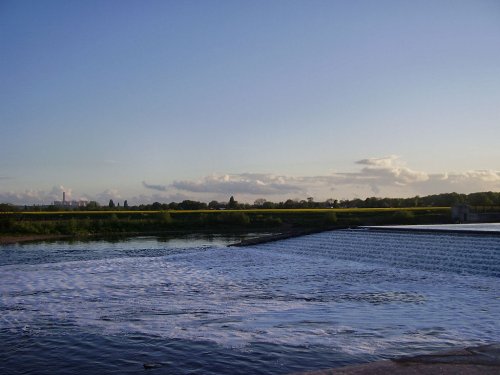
(232, 203)
(416, 200)
(192, 205)
(173, 206)
(480, 199)
(156, 206)
(7, 207)
(290, 204)
(329, 202)
(269, 205)
(111, 204)
(125, 204)
(213, 205)
(259, 202)
(93, 205)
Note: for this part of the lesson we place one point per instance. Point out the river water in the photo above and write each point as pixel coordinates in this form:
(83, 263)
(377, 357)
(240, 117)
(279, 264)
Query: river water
(195, 306)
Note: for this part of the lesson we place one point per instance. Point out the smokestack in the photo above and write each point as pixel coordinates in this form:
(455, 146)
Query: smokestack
(64, 197)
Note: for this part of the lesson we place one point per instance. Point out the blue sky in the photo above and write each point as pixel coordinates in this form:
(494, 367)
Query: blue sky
(170, 100)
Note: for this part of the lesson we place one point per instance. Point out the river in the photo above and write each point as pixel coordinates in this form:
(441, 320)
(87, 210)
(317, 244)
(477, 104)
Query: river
(195, 306)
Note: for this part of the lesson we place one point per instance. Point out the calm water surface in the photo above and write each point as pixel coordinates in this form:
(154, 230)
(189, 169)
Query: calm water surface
(195, 306)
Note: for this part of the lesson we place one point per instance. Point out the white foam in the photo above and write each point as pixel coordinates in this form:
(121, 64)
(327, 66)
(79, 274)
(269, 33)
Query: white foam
(476, 227)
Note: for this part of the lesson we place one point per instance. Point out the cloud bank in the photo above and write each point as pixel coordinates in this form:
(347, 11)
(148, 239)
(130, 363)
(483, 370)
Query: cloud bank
(383, 176)
(246, 183)
(391, 174)
(380, 176)
(32, 196)
(37, 197)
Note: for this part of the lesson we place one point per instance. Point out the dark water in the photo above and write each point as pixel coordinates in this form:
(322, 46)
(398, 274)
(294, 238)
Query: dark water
(193, 305)
(73, 352)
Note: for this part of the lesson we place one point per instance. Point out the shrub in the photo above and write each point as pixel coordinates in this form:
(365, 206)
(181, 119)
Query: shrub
(165, 218)
(330, 218)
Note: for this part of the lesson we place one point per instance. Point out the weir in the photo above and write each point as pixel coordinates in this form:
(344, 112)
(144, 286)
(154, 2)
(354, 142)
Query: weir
(437, 251)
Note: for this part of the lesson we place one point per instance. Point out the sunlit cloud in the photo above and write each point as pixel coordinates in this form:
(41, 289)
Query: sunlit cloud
(380, 176)
(380, 172)
(383, 176)
(245, 183)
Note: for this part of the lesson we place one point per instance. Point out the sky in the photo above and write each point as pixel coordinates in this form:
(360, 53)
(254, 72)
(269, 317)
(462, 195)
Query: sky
(171, 100)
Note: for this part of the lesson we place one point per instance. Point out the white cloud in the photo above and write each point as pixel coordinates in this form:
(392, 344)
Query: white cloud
(381, 172)
(461, 182)
(388, 175)
(108, 194)
(25, 197)
(29, 197)
(485, 175)
(383, 176)
(245, 183)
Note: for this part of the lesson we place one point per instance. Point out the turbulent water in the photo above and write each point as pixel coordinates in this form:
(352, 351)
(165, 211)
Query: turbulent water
(197, 306)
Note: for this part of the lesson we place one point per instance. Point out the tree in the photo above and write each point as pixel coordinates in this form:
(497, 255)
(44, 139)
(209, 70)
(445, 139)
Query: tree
(111, 204)
(232, 203)
(259, 202)
(93, 205)
(290, 204)
(125, 204)
(213, 205)
(332, 203)
(156, 206)
(7, 207)
(191, 205)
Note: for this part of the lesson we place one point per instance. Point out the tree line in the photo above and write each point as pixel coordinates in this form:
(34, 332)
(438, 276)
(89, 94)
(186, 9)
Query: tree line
(481, 199)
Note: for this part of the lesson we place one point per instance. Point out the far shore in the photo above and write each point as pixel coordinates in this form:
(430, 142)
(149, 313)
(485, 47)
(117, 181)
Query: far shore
(8, 240)
(13, 239)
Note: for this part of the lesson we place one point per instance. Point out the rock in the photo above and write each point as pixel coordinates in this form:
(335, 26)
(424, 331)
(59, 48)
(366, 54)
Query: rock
(149, 366)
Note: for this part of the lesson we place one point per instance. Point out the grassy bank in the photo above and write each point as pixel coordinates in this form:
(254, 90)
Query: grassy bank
(215, 221)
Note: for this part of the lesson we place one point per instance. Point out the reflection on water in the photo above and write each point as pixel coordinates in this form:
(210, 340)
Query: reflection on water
(317, 301)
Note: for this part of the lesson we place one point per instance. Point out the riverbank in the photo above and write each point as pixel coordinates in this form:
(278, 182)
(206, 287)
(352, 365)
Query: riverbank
(243, 234)
(8, 240)
(83, 223)
(479, 360)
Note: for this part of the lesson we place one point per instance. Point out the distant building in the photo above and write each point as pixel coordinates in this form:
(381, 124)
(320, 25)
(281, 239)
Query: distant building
(462, 213)
(70, 204)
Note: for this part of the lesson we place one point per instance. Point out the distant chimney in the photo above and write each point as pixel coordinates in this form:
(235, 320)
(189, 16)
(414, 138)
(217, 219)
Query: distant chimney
(64, 197)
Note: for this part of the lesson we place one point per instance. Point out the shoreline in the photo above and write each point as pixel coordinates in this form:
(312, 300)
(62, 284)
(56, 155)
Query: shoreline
(10, 240)
(259, 239)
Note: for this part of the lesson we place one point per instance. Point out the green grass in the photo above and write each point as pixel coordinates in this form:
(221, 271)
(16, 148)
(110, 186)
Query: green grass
(214, 221)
